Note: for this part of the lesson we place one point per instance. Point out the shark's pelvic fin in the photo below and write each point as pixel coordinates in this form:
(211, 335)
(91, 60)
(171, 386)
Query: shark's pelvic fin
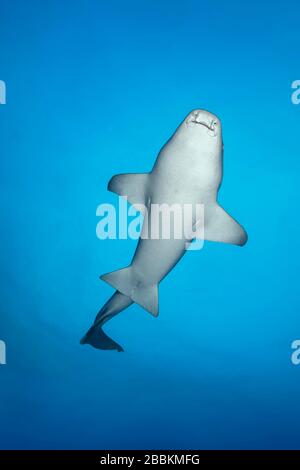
(221, 227)
(131, 185)
(125, 281)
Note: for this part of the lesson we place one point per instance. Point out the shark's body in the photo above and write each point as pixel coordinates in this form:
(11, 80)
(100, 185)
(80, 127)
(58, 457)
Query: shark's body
(188, 170)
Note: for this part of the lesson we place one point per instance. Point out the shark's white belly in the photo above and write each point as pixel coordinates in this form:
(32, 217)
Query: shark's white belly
(154, 258)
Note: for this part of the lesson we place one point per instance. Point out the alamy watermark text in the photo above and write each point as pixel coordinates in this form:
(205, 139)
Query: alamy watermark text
(2, 92)
(2, 352)
(155, 221)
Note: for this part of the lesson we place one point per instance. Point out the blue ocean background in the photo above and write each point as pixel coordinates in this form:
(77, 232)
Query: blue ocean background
(95, 88)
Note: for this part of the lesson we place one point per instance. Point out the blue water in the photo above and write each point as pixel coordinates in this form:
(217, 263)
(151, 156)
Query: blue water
(95, 88)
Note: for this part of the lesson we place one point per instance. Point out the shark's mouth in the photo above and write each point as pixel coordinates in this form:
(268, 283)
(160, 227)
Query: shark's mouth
(205, 120)
(211, 127)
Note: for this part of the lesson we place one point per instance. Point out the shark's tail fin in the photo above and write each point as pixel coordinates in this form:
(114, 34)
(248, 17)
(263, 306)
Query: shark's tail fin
(95, 335)
(126, 281)
(99, 340)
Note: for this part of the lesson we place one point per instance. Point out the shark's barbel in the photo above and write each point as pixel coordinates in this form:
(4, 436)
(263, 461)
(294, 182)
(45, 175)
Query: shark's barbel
(188, 170)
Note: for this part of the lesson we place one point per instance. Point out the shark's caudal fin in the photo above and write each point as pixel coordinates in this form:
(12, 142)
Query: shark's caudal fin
(95, 335)
(126, 282)
(99, 340)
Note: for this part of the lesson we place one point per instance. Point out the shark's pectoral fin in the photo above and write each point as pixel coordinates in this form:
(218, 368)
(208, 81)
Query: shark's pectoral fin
(221, 227)
(131, 185)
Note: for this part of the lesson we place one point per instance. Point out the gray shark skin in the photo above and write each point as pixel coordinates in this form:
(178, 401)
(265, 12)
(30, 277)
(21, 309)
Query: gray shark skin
(188, 169)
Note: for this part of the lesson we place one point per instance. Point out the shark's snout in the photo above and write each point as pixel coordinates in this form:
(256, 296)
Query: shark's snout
(201, 117)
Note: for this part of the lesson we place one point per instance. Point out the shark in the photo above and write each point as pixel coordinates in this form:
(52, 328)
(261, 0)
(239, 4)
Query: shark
(187, 170)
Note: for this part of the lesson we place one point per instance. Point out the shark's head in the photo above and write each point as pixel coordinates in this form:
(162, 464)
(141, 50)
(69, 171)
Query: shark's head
(201, 131)
(198, 140)
(201, 125)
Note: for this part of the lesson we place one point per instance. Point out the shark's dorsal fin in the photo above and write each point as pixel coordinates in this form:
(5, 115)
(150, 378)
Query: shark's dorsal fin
(221, 227)
(131, 185)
